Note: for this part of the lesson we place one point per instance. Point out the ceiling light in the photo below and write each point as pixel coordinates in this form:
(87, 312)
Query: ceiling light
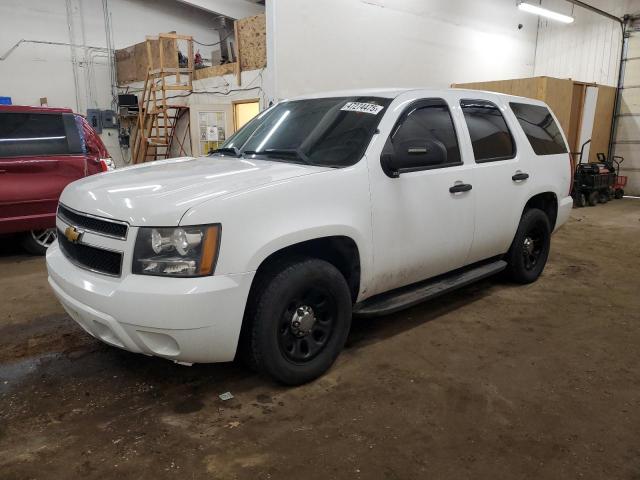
(543, 12)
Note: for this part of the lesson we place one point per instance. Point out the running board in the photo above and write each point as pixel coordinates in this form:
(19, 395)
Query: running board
(405, 297)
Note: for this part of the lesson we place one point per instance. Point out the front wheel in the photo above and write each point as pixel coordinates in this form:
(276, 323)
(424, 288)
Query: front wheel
(36, 242)
(298, 319)
(530, 248)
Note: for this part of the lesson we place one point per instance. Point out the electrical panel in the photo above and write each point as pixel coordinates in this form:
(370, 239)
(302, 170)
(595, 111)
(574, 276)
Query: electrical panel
(94, 117)
(109, 119)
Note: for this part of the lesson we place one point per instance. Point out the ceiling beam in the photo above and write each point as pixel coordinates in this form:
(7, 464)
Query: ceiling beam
(229, 8)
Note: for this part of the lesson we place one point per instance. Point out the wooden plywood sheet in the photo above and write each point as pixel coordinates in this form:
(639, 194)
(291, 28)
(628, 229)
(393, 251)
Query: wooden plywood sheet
(523, 87)
(252, 42)
(558, 95)
(554, 91)
(215, 71)
(132, 63)
(126, 65)
(602, 123)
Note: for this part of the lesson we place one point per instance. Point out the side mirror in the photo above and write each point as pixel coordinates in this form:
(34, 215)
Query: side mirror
(412, 155)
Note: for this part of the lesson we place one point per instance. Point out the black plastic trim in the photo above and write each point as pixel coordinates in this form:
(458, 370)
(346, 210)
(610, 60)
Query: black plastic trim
(420, 103)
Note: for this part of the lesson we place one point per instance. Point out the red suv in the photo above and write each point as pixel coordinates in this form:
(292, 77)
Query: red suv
(42, 150)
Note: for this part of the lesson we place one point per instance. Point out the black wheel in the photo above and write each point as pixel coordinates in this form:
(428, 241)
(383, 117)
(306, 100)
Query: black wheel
(593, 199)
(619, 193)
(297, 320)
(603, 197)
(530, 248)
(579, 201)
(36, 242)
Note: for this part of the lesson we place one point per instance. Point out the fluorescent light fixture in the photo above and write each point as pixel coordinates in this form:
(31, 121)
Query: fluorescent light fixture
(543, 12)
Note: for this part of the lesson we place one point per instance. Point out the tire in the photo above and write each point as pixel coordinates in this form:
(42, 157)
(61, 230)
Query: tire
(530, 247)
(592, 199)
(36, 242)
(619, 193)
(297, 320)
(603, 197)
(579, 201)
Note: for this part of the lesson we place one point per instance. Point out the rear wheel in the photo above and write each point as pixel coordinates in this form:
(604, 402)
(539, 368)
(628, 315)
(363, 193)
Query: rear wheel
(593, 199)
(619, 193)
(36, 242)
(298, 319)
(530, 248)
(603, 198)
(580, 200)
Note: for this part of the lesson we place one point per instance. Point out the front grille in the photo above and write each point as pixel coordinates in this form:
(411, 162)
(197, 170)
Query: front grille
(94, 224)
(91, 258)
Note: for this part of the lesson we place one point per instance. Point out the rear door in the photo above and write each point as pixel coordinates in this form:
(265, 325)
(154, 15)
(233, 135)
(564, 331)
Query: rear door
(501, 174)
(40, 154)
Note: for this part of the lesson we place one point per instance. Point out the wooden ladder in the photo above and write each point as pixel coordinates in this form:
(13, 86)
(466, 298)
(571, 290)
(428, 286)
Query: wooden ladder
(159, 115)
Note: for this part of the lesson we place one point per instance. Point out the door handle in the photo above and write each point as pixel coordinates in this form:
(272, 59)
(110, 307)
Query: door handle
(520, 176)
(461, 187)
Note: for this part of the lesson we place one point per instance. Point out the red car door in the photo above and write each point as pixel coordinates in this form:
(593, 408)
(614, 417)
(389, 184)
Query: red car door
(40, 154)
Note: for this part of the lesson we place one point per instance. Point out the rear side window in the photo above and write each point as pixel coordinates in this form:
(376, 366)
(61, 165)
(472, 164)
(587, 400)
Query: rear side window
(540, 128)
(490, 136)
(431, 121)
(26, 134)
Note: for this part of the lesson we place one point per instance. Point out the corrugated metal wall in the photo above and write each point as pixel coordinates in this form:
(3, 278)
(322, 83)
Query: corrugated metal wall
(587, 50)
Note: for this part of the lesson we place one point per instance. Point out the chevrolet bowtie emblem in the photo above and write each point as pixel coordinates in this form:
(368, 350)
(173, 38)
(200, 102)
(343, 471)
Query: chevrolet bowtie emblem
(73, 234)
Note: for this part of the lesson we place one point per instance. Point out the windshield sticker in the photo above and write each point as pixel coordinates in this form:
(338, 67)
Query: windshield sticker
(371, 108)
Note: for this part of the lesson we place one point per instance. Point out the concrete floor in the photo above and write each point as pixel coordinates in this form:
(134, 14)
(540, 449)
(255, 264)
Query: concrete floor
(493, 381)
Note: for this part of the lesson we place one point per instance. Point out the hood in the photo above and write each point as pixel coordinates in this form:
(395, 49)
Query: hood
(160, 193)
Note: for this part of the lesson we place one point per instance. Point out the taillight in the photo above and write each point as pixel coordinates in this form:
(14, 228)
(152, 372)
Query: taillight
(107, 164)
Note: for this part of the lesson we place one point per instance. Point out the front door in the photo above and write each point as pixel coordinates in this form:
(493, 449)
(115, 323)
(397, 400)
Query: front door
(423, 220)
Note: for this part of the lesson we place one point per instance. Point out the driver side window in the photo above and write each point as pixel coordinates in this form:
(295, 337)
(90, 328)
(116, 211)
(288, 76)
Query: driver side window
(425, 136)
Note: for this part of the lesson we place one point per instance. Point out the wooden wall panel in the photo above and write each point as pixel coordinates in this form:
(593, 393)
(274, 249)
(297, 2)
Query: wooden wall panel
(602, 123)
(132, 64)
(555, 92)
(252, 42)
(215, 71)
(126, 65)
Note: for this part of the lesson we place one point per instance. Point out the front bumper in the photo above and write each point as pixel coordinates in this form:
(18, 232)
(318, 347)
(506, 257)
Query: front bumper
(191, 320)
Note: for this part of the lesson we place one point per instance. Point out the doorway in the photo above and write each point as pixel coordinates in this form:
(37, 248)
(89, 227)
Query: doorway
(243, 111)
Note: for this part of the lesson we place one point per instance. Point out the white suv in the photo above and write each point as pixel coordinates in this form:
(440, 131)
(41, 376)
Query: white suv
(358, 202)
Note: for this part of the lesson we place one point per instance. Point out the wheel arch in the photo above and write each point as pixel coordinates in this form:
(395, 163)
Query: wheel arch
(341, 251)
(546, 201)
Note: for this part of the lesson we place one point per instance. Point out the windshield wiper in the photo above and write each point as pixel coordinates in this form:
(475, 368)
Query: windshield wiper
(228, 150)
(294, 153)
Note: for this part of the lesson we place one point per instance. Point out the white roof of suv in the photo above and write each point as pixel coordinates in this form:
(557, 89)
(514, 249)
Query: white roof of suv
(394, 92)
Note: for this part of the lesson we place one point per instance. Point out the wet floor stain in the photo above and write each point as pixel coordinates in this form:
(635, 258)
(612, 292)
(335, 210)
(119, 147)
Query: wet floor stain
(11, 374)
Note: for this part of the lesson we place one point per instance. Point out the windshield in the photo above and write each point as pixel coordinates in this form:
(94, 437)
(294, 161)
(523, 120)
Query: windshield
(331, 132)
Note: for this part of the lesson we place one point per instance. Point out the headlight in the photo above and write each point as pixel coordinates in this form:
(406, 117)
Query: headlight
(176, 252)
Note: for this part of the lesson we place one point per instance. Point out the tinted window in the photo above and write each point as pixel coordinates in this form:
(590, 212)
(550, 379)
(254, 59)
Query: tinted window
(490, 136)
(24, 134)
(540, 128)
(432, 123)
(320, 131)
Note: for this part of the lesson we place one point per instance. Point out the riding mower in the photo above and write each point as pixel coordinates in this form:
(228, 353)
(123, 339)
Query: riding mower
(597, 182)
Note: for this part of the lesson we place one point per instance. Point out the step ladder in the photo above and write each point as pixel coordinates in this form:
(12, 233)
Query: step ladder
(160, 107)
